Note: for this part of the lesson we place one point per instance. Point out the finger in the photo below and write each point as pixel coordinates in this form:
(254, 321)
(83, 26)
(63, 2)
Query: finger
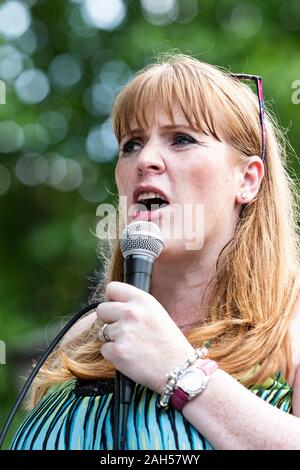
(109, 312)
(122, 292)
(107, 351)
(111, 332)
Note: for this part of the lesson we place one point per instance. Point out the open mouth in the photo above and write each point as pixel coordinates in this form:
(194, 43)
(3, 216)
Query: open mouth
(152, 204)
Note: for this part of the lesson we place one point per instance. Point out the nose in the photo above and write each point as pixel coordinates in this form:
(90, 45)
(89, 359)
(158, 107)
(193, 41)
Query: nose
(150, 159)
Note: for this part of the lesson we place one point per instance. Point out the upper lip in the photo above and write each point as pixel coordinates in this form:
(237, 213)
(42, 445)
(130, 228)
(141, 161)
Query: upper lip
(147, 188)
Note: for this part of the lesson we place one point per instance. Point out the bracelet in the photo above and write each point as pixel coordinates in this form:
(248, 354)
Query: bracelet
(173, 376)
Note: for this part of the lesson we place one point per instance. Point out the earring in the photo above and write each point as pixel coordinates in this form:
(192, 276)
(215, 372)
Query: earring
(245, 195)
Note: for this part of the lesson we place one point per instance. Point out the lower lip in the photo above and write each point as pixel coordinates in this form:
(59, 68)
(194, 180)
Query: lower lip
(148, 215)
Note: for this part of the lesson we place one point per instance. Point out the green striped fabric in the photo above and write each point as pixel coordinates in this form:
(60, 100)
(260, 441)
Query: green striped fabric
(73, 416)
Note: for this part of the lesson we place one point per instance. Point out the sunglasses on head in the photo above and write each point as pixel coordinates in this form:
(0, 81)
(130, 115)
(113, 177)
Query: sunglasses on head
(258, 82)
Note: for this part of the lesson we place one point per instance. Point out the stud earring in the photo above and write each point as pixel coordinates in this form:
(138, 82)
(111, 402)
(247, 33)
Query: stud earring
(245, 195)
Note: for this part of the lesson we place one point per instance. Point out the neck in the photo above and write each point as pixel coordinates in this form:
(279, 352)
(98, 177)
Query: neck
(181, 283)
(181, 288)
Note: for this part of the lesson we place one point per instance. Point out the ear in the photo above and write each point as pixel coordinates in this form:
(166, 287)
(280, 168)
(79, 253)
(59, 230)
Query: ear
(250, 177)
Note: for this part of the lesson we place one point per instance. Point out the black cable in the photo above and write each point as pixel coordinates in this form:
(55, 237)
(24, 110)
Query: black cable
(117, 397)
(124, 426)
(39, 365)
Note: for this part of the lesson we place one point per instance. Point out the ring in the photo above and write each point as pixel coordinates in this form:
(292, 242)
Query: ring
(103, 334)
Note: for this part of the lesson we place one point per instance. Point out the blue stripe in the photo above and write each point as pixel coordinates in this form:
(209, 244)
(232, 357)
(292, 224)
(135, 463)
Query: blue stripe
(64, 420)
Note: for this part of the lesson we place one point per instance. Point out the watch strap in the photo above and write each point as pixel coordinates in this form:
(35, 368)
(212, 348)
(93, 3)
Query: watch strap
(180, 397)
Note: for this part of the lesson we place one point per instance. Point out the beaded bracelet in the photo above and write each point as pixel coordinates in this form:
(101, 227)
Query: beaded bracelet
(173, 376)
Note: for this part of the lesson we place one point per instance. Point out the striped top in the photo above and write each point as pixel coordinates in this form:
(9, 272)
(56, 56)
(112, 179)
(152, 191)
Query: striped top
(78, 415)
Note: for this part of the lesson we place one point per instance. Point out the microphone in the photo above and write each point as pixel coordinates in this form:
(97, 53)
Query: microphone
(141, 243)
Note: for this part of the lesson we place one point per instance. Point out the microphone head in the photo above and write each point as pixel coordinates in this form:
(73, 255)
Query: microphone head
(141, 238)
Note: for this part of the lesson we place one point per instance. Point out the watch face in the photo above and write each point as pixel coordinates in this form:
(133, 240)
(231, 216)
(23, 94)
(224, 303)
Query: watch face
(192, 381)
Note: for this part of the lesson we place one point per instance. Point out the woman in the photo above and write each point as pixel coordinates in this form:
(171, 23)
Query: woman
(193, 134)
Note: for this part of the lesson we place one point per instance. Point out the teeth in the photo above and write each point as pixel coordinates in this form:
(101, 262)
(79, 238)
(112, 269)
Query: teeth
(149, 195)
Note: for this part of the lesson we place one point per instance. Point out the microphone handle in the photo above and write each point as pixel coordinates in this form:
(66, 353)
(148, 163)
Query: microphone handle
(137, 272)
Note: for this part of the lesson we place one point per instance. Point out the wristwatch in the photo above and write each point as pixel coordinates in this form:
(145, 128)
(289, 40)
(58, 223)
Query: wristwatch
(192, 382)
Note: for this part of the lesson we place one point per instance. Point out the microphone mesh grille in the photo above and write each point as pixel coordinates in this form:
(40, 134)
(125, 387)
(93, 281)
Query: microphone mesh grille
(141, 236)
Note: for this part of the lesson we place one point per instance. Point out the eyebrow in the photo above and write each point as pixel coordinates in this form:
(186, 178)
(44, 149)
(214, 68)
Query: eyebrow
(167, 126)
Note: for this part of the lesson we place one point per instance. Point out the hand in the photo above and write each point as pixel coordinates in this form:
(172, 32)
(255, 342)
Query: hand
(145, 343)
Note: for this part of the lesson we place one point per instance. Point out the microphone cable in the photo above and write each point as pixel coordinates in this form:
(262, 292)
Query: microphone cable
(35, 371)
(138, 264)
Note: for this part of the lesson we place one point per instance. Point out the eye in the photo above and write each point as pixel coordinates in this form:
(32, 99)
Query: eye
(129, 146)
(183, 139)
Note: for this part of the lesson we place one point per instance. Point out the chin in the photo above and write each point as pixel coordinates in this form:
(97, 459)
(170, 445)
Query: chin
(175, 249)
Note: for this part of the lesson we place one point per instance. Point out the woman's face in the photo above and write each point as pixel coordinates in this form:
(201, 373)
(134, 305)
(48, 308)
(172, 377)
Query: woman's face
(193, 172)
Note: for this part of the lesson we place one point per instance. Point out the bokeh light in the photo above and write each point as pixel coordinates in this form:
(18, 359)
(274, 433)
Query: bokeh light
(92, 187)
(160, 13)
(64, 174)
(79, 27)
(101, 144)
(188, 10)
(11, 62)
(32, 86)
(28, 42)
(98, 99)
(103, 14)
(34, 39)
(32, 169)
(14, 19)
(56, 125)
(5, 180)
(74, 148)
(115, 71)
(36, 138)
(11, 136)
(245, 20)
(65, 70)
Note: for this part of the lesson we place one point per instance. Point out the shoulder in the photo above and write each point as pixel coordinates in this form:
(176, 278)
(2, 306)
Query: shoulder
(59, 391)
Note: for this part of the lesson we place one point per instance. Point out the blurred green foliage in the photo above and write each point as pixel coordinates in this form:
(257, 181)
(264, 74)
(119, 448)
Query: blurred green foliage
(61, 73)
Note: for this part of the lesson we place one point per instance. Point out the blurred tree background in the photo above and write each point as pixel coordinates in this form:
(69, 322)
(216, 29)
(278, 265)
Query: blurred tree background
(61, 64)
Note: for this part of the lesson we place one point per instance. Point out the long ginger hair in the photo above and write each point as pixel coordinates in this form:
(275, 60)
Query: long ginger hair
(256, 283)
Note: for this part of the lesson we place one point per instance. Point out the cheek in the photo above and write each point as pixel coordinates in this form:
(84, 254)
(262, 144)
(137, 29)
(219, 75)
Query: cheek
(210, 185)
(122, 177)
(203, 182)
